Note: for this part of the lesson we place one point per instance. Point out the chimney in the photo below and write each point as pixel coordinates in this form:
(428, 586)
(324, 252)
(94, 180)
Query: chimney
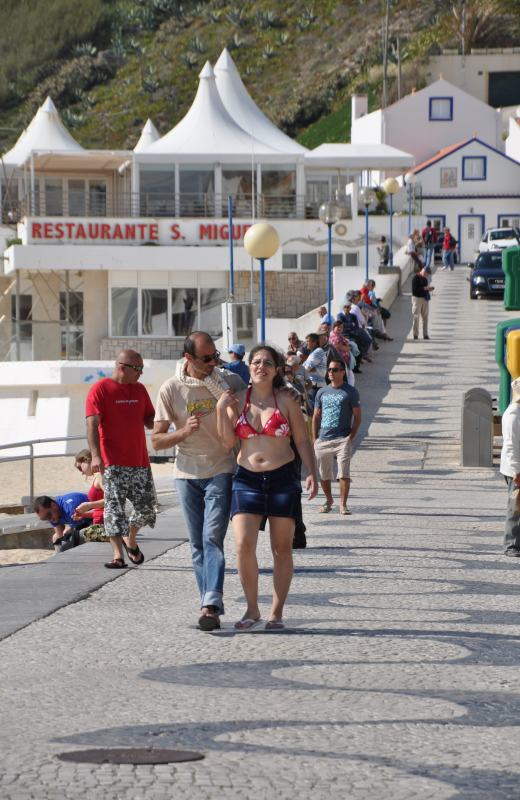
(359, 106)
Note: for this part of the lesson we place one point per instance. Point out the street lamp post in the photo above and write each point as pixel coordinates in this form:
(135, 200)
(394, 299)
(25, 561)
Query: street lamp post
(261, 241)
(367, 197)
(329, 214)
(410, 179)
(391, 186)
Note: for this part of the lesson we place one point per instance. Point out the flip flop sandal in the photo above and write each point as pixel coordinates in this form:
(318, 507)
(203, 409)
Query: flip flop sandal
(326, 507)
(116, 563)
(274, 625)
(134, 553)
(246, 624)
(344, 510)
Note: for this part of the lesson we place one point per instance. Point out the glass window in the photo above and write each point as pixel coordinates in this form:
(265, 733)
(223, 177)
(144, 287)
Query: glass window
(184, 311)
(75, 307)
(157, 190)
(124, 312)
(441, 108)
(154, 312)
(53, 197)
(290, 261)
(211, 311)
(309, 261)
(97, 198)
(352, 259)
(474, 168)
(9, 199)
(25, 317)
(197, 190)
(278, 192)
(71, 344)
(237, 183)
(77, 198)
(323, 260)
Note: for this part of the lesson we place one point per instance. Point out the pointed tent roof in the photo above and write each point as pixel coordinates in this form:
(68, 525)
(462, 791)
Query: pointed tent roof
(149, 135)
(207, 131)
(245, 112)
(45, 132)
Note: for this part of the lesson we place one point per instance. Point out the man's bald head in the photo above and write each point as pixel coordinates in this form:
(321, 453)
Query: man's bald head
(129, 366)
(195, 341)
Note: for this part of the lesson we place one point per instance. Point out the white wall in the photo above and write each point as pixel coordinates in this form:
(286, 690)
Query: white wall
(513, 139)
(59, 405)
(368, 129)
(408, 127)
(471, 72)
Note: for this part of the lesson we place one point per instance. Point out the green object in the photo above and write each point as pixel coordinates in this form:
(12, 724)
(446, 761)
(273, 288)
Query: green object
(504, 392)
(511, 268)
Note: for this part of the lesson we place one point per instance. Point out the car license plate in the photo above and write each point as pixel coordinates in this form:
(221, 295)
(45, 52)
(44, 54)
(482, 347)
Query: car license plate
(498, 284)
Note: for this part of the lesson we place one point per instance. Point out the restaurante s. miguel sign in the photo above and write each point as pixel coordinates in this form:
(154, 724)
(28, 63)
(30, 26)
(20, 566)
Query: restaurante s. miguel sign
(136, 231)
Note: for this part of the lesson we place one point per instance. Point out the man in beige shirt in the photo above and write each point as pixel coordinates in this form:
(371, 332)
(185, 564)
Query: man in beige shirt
(203, 466)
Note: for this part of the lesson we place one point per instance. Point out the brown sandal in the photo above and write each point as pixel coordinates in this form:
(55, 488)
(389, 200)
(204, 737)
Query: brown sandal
(116, 563)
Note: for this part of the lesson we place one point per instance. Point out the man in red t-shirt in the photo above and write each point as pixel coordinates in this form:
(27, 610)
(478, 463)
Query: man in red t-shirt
(118, 410)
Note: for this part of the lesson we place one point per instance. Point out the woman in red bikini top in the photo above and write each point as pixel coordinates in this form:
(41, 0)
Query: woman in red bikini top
(262, 419)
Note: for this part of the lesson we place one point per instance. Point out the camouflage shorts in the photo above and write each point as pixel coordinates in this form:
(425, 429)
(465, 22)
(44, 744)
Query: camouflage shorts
(128, 483)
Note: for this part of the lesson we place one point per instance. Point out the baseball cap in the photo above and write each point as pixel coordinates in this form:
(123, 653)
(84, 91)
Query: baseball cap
(237, 349)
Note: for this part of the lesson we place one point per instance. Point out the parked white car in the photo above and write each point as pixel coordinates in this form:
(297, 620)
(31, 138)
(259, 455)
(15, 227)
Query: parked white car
(499, 238)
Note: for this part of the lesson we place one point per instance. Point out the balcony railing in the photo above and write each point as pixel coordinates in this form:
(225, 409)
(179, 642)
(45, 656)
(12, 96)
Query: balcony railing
(157, 204)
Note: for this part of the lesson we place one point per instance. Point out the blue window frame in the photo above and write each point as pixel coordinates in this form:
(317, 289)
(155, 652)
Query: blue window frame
(440, 109)
(474, 168)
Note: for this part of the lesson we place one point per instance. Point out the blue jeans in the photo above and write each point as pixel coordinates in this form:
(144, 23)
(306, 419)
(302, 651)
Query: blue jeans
(448, 258)
(428, 255)
(206, 503)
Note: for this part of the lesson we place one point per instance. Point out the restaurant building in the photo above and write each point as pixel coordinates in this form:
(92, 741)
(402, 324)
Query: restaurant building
(110, 249)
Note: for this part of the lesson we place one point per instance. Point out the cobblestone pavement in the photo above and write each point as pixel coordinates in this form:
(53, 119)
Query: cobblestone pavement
(397, 675)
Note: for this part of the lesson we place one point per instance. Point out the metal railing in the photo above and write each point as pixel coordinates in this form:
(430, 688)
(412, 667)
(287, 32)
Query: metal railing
(161, 204)
(31, 456)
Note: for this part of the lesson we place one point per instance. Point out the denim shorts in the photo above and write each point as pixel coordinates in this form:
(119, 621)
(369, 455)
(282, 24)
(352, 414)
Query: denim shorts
(269, 494)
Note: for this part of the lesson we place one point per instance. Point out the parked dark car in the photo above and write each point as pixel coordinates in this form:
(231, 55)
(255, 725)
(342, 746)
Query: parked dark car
(487, 278)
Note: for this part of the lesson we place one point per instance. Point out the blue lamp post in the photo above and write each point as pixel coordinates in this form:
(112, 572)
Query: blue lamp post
(367, 197)
(261, 241)
(329, 215)
(391, 187)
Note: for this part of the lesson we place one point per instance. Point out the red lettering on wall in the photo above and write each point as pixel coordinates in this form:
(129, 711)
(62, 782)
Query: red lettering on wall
(154, 232)
(59, 233)
(205, 231)
(142, 231)
(129, 231)
(93, 230)
(70, 229)
(175, 232)
(47, 230)
(80, 232)
(36, 230)
(105, 231)
(224, 232)
(117, 233)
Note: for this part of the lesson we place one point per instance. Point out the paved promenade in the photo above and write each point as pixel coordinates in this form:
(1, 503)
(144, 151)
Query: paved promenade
(396, 678)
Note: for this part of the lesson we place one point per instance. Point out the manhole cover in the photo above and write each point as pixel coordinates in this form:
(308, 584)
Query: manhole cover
(130, 755)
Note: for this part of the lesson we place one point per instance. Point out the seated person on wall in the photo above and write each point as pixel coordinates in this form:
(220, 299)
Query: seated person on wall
(59, 512)
(383, 249)
(315, 365)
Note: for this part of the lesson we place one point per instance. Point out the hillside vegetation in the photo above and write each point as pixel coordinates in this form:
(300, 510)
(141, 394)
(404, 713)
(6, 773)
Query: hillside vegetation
(110, 65)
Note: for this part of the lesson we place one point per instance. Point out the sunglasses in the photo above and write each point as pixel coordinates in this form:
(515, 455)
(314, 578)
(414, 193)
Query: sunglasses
(130, 366)
(335, 369)
(206, 359)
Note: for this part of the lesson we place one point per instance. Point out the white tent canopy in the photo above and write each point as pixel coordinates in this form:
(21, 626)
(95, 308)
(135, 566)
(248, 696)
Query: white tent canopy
(45, 132)
(149, 135)
(358, 157)
(245, 112)
(207, 133)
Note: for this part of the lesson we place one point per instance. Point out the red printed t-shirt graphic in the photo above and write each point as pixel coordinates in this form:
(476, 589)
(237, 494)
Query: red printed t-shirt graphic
(122, 409)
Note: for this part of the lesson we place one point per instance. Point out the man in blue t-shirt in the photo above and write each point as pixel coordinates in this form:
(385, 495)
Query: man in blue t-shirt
(59, 512)
(336, 419)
